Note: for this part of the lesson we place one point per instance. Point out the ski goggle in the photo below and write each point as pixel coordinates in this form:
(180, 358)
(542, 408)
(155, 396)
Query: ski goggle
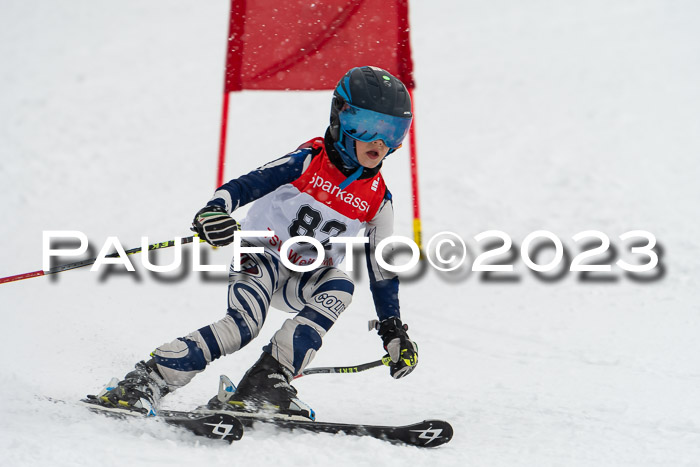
(368, 125)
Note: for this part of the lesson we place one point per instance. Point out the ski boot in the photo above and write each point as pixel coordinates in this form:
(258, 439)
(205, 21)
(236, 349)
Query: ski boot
(139, 391)
(264, 392)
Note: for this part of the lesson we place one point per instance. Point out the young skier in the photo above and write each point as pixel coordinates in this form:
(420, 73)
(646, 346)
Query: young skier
(329, 187)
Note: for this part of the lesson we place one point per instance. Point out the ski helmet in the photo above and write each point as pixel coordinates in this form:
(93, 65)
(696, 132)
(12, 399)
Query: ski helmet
(369, 104)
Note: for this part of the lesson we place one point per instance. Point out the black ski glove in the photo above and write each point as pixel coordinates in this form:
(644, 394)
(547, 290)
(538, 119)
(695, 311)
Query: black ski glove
(215, 226)
(402, 350)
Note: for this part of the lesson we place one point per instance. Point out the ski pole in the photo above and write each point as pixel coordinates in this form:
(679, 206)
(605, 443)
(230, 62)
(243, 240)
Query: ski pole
(88, 262)
(345, 369)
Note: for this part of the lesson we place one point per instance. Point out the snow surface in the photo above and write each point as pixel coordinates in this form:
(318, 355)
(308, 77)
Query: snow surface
(565, 116)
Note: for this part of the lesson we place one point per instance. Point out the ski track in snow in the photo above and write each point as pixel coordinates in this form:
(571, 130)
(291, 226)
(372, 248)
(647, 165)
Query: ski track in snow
(540, 115)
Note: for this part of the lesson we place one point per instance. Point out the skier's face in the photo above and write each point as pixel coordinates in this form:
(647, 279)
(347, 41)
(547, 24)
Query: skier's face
(370, 154)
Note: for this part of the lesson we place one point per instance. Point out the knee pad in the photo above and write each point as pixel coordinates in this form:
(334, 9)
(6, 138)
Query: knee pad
(306, 342)
(179, 361)
(295, 344)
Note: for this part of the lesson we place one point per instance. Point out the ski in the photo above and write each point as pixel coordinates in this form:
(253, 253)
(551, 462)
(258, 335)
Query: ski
(229, 425)
(428, 433)
(214, 425)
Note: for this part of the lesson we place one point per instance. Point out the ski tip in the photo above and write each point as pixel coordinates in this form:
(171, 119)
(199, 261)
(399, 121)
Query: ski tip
(431, 433)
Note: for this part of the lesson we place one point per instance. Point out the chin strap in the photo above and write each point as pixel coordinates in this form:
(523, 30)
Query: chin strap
(348, 161)
(346, 153)
(355, 175)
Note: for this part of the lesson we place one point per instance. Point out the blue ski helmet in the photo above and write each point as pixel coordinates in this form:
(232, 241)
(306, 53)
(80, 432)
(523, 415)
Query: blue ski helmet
(369, 104)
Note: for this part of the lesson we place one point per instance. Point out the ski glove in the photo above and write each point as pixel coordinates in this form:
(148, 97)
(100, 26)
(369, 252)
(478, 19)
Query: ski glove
(215, 226)
(402, 350)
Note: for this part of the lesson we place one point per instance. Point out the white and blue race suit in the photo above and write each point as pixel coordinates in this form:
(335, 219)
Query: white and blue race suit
(305, 193)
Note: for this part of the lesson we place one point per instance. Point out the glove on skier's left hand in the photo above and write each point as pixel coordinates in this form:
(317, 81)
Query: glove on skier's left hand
(214, 225)
(402, 350)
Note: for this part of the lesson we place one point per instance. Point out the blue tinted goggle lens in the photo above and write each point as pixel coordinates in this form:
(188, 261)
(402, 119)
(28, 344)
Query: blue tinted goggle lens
(367, 125)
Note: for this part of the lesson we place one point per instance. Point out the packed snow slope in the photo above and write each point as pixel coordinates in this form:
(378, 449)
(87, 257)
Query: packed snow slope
(539, 115)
